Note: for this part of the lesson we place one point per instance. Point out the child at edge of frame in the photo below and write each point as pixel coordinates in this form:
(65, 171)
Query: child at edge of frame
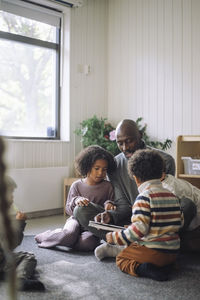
(25, 262)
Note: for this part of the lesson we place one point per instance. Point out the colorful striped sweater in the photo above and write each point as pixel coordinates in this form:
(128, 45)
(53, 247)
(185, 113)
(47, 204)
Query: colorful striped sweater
(156, 219)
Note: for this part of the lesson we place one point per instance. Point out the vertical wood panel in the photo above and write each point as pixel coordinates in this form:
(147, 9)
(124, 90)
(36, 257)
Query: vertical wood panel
(131, 73)
(112, 62)
(196, 64)
(152, 108)
(146, 49)
(124, 61)
(160, 69)
(165, 88)
(19, 154)
(177, 66)
(168, 65)
(187, 67)
(139, 70)
(30, 155)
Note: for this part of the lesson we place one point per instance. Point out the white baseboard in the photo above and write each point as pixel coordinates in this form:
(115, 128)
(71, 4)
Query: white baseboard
(44, 213)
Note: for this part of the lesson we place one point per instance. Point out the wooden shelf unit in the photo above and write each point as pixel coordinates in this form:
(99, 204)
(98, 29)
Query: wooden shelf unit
(187, 145)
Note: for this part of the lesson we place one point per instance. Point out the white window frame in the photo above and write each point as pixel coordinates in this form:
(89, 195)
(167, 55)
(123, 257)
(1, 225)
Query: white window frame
(23, 7)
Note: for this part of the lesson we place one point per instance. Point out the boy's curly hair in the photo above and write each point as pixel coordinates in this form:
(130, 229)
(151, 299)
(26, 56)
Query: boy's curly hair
(146, 165)
(87, 157)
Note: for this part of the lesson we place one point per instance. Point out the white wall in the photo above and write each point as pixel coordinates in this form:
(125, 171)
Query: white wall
(88, 93)
(39, 188)
(145, 62)
(154, 65)
(88, 96)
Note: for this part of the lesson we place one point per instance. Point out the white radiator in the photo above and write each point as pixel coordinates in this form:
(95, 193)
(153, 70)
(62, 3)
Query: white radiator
(39, 188)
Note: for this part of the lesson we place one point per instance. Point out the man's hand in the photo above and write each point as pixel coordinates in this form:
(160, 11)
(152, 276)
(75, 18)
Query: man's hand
(82, 202)
(103, 217)
(110, 206)
(109, 238)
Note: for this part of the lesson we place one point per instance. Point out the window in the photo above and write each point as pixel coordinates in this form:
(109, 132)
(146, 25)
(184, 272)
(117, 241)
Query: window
(29, 74)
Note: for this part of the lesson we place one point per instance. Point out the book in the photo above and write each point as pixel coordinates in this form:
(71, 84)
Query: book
(104, 226)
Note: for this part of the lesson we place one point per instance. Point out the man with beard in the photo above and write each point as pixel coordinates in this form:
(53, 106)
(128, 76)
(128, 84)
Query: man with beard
(129, 139)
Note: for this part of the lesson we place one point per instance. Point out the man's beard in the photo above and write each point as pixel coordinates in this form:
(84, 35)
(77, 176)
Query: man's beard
(129, 153)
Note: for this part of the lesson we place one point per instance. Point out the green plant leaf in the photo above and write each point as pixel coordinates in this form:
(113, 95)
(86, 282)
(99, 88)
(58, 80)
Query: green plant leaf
(155, 144)
(95, 131)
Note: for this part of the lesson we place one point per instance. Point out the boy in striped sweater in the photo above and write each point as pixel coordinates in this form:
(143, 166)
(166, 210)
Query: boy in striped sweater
(151, 241)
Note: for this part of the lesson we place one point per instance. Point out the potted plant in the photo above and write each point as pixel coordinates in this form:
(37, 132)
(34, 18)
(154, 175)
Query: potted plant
(98, 131)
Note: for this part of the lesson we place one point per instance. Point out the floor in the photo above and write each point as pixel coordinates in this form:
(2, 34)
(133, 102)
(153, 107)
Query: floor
(38, 225)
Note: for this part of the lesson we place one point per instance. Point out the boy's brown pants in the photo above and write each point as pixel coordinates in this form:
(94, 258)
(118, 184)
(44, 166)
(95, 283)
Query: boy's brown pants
(131, 257)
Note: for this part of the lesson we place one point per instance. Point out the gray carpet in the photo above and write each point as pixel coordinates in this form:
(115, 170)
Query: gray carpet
(73, 275)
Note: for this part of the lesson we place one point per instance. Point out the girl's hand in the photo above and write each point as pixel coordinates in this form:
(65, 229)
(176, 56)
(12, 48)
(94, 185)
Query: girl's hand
(109, 238)
(21, 216)
(82, 202)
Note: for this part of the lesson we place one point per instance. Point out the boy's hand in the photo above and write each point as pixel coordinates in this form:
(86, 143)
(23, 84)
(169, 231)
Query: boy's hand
(109, 238)
(126, 226)
(21, 216)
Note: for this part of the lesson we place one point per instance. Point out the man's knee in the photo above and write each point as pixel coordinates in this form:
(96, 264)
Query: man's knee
(190, 240)
(86, 213)
(189, 211)
(80, 215)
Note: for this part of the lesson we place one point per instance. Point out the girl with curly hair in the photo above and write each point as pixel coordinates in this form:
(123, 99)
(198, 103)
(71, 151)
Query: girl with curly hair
(93, 163)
